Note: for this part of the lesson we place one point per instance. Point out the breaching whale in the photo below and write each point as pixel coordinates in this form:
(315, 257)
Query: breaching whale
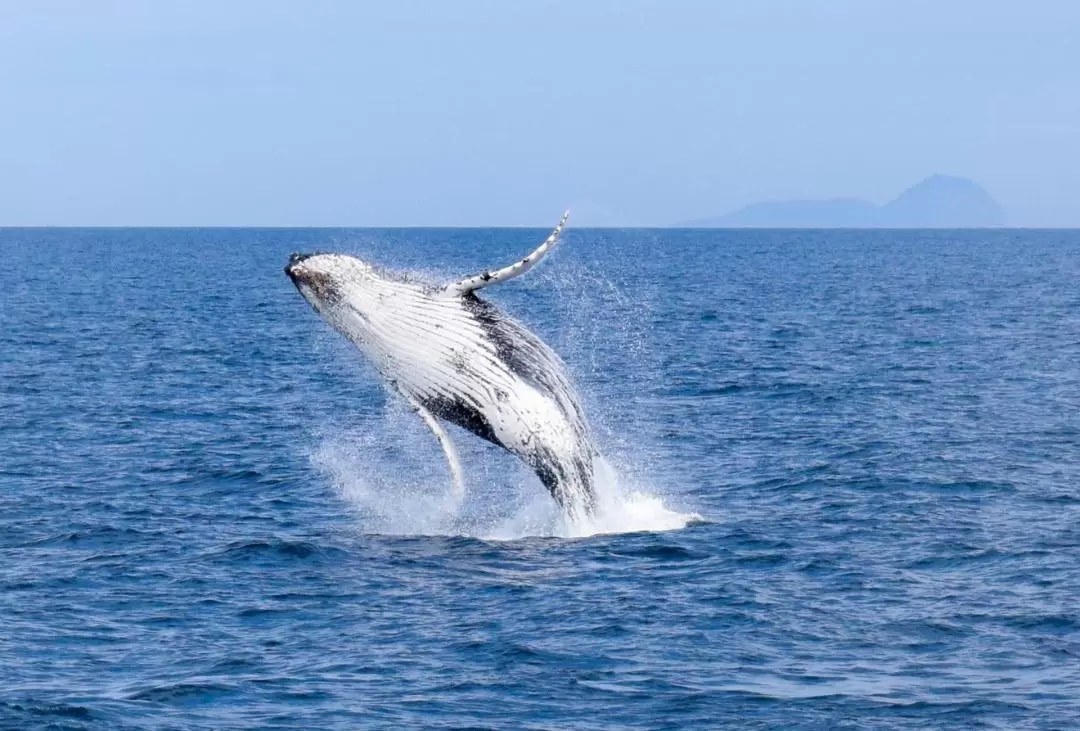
(455, 357)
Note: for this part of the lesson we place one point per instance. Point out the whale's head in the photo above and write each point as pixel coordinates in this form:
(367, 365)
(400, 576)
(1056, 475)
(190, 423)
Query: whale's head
(326, 279)
(341, 288)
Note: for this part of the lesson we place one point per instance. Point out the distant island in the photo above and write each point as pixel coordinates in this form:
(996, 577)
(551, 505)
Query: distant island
(940, 201)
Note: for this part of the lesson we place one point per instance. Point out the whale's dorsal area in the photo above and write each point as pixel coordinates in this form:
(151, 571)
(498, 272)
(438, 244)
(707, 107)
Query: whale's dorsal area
(494, 276)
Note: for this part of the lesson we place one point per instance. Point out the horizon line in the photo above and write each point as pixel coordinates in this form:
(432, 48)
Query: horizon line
(662, 227)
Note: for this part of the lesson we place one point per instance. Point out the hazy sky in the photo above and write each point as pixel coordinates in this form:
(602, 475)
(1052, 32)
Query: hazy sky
(479, 112)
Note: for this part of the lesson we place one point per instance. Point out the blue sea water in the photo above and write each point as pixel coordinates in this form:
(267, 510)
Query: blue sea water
(850, 463)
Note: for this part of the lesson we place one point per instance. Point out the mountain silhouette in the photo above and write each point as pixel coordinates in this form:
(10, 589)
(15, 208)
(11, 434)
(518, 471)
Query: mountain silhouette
(940, 201)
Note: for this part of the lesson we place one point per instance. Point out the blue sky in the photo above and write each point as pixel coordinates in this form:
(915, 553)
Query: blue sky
(503, 113)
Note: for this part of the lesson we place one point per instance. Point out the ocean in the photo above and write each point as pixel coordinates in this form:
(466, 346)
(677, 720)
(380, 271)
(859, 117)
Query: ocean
(847, 466)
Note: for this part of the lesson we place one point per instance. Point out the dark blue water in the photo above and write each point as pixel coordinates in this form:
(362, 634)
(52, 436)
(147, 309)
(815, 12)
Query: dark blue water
(212, 516)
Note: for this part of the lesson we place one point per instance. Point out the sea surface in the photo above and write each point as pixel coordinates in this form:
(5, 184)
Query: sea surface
(846, 469)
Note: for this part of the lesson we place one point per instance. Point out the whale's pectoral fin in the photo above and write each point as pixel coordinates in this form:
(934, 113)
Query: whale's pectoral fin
(495, 276)
(458, 490)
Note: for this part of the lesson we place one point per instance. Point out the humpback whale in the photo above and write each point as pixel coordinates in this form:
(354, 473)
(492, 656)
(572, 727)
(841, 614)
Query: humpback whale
(457, 358)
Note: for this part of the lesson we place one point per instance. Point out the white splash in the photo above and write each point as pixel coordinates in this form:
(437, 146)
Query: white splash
(392, 496)
(623, 508)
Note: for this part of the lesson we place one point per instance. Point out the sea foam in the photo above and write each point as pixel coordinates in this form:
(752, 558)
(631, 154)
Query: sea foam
(393, 495)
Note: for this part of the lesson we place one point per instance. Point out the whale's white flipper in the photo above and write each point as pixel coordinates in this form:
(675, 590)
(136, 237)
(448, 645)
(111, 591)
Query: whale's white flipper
(516, 269)
(458, 490)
